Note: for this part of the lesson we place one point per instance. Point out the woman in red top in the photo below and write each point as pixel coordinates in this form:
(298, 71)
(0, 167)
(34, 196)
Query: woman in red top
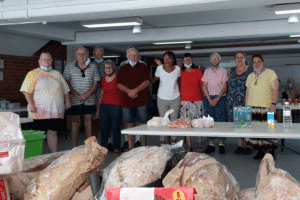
(191, 93)
(109, 107)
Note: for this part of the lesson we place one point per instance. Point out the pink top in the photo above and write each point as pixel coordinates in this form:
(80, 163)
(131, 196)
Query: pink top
(215, 80)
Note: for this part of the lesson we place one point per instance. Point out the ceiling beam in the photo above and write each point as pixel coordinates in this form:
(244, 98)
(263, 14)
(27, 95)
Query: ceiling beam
(41, 31)
(204, 33)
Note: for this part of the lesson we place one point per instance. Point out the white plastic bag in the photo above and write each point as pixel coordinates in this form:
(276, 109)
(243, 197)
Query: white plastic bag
(205, 122)
(12, 143)
(160, 121)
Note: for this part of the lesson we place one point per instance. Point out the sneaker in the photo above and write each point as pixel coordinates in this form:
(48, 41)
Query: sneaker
(137, 144)
(110, 147)
(210, 149)
(117, 152)
(239, 150)
(222, 149)
(248, 150)
(125, 146)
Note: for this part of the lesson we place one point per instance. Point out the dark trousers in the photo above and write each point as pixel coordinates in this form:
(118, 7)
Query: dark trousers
(110, 117)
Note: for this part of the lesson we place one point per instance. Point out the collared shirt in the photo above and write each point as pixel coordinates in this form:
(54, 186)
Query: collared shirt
(81, 84)
(293, 93)
(48, 90)
(131, 77)
(215, 80)
(100, 69)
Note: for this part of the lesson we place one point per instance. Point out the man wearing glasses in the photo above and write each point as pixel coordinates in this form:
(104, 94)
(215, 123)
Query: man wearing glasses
(82, 78)
(47, 94)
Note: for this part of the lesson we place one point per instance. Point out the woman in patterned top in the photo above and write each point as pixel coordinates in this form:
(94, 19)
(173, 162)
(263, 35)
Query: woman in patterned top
(237, 77)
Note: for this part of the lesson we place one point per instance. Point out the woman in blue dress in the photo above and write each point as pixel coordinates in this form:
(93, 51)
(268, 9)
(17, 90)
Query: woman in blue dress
(237, 77)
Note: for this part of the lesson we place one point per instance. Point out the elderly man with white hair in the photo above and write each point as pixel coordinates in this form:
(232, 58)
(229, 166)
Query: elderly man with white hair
(82, 77)
(133, 81)
(215, 101)
(47, 94)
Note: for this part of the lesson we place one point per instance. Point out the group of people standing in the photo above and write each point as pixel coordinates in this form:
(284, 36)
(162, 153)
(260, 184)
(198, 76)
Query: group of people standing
(122, 96)
(216, 93)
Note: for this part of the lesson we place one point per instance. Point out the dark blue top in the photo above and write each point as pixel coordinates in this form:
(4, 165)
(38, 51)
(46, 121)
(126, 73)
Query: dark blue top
(236, 90)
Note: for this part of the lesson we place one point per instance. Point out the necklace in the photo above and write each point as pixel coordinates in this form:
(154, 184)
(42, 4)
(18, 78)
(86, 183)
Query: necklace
(257, 76)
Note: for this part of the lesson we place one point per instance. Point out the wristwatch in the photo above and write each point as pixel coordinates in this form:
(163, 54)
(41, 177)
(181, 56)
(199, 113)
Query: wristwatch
(274, 103)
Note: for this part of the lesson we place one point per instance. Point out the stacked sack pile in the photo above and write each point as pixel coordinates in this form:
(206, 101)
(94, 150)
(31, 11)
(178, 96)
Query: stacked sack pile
(47, 177)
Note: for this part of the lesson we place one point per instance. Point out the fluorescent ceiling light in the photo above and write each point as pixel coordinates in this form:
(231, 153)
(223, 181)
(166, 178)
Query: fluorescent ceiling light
(287, 9)
(182, 42)
(294, 35)
(129, 21)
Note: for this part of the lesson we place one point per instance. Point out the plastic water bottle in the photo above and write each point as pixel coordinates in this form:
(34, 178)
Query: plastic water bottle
(287, 115)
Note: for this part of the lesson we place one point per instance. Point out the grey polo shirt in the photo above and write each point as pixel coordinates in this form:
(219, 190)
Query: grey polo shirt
(81, 84)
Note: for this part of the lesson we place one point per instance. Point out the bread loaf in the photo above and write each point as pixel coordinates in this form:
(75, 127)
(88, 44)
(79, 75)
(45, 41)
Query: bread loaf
(65, 175)
(211, 179)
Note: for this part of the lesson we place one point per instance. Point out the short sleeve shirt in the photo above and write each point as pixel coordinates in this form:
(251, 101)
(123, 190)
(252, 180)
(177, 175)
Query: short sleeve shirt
(215, 80)
(132, 77)
(48, 89)
(81, 84)
(260, 95)
(190, 85)
(168, 87)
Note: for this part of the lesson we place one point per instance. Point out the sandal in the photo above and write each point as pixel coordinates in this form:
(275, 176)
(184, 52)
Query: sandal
(200, 150)
(189, 149)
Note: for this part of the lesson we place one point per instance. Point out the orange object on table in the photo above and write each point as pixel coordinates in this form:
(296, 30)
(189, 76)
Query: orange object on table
(172, 193)
(181, 123)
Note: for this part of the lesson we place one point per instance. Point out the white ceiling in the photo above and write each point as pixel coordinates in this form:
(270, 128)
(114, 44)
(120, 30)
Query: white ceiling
(213, 25)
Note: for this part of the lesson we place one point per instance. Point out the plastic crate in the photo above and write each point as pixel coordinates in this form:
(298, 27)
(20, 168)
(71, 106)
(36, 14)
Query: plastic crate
(34, 142)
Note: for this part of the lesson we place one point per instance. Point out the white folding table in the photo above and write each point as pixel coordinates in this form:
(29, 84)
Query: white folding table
(15, 110)
(222, 129)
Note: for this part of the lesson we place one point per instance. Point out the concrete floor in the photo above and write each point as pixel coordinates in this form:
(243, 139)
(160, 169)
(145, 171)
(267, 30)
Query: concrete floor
(243, 167)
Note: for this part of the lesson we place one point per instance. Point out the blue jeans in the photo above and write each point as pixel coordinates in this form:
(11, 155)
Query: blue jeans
(218, 112)
(130, 114)
(110, 117)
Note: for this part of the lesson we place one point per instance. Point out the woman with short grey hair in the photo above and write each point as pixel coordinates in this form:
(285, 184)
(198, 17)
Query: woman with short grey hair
(109, 107)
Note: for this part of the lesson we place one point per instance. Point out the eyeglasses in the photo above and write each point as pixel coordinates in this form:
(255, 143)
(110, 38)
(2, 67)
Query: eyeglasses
(81, 54)
(97, 53)
(107, 67)
(46, 60)
(214, 58)
(186, 59)
(82, 73)
(167, 58)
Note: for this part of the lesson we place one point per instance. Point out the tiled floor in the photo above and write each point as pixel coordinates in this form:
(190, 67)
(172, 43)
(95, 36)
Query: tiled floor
(243, 167)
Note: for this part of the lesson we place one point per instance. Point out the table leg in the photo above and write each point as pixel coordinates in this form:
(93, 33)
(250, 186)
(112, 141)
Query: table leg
(282, 144)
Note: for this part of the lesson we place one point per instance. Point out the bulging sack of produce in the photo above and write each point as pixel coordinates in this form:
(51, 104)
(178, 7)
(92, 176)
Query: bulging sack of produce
(64, 176)
(180, 193)
(248, 194)
(140, 167)
(32, 166)
(211, 179)
(12, 143)
(181, 123)
(160, 121)
(273, 183)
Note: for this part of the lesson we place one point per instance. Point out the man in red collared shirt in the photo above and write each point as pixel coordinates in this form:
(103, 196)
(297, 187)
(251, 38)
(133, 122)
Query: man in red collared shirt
(133, 80)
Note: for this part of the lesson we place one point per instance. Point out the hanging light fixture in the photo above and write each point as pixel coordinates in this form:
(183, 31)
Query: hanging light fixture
(293, 18)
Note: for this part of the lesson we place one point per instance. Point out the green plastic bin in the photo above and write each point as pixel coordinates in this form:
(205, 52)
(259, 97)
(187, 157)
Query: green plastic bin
(34, 142)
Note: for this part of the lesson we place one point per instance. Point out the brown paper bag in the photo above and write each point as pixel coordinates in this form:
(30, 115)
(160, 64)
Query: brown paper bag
(63, 177)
